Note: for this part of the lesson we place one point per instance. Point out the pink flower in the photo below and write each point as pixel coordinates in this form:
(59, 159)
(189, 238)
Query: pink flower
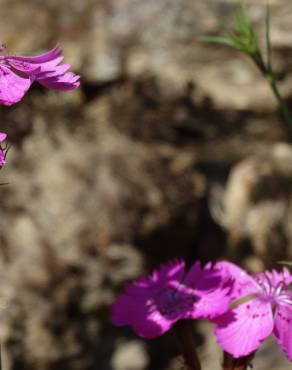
(152, 305)
(2, 150)
(262, 306)
(17, 73)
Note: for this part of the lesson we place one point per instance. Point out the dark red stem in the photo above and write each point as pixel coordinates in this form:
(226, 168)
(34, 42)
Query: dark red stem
(242, 363)
(185, 336)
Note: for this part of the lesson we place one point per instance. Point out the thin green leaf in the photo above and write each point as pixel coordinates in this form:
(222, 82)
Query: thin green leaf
(241, 20)
(288, 263)
(223, 40)
(241, 37)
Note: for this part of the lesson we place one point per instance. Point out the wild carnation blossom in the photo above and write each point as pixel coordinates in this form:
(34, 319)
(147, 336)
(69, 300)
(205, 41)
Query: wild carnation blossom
(17, 73)
(261, 306)
(152, 305)
(2, 151)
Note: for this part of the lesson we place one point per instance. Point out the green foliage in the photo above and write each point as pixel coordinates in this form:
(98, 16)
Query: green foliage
(242, 37)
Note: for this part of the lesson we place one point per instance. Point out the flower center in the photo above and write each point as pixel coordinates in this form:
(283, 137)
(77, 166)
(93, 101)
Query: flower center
(275, 292)
(173, 301)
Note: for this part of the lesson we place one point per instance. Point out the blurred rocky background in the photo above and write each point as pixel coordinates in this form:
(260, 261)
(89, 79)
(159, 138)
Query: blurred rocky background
(171, 148)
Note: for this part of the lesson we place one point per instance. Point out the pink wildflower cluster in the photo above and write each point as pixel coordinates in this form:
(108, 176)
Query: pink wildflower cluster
(17, 73)
(245, 309)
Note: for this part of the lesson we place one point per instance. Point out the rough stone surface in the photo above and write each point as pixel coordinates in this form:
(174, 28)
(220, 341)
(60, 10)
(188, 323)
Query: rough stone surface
(171, 148)
(256, 204)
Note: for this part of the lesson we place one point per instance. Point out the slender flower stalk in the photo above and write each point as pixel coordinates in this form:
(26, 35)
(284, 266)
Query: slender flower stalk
(267, 72)
(185, 336)
(3, 149)
(243, 38)
(231, 363)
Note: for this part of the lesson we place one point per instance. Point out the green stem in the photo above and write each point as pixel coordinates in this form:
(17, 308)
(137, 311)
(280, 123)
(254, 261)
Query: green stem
(282, 103)
(269, 76)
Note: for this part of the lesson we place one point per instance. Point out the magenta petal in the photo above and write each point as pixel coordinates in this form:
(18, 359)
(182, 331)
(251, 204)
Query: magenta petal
(151, 323)
(207, 278)
(173, 270)
(45, 69)
(241, 330)
(283, 329)
(47, 61)
(2, 158)
(151, 305)
(68, 77)
(212, 289)
(140, 289)
(276, 277)
(132, 302)
(31, 68)
(58, 80)
(125, 309)
(41, 58)
(243, 283)
(55, 72)
(211, 304)
(3, 136)
(146, 319)
(59, 85)
(12, 86)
